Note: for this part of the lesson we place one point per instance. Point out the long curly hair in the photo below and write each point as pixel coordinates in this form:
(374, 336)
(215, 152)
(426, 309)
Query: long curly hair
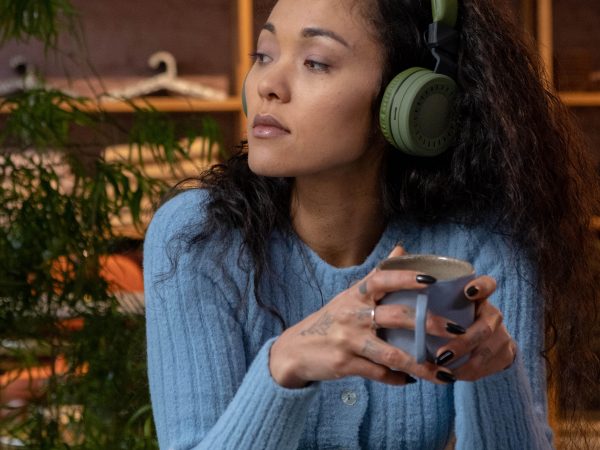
(518, 155)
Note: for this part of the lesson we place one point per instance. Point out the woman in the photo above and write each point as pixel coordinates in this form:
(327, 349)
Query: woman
(261, 292)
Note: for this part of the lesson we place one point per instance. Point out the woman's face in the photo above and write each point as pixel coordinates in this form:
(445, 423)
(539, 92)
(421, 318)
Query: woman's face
(317, 72)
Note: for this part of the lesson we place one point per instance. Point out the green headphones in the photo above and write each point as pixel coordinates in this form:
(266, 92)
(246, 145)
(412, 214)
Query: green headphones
(417, 114)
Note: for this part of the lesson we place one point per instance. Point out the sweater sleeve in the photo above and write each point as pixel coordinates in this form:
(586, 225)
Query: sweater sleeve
(508, 410)
(204, 393)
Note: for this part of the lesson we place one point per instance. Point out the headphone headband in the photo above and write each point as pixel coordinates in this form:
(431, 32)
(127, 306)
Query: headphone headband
(442, 38)
(445, 11)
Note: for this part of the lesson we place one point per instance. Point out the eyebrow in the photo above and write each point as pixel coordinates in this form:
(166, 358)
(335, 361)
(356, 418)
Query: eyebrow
(312, 32)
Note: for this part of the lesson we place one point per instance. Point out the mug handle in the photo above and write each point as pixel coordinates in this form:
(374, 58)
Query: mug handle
(420, 329)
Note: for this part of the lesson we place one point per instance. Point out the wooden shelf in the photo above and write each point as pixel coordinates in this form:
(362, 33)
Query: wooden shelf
(580, 98)
(166, 104)
(171, 104)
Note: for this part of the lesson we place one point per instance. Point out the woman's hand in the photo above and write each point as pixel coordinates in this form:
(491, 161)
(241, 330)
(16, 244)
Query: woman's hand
(487, 339)
(339, 340)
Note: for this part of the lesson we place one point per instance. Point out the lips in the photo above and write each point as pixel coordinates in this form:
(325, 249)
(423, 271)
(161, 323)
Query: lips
(268, 121)
(265, 126)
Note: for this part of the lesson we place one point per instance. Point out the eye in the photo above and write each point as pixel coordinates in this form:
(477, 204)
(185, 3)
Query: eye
(316, 66)
(260, 58)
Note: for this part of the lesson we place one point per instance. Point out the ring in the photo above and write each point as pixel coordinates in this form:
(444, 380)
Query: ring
(374, 325)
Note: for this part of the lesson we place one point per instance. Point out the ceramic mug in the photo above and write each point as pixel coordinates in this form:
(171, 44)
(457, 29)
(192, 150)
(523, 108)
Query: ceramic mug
(444, 298)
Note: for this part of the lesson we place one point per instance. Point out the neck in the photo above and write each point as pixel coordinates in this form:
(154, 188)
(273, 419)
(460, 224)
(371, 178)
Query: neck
(339, 217)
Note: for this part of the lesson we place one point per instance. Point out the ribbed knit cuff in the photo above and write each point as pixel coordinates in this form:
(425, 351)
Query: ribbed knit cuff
(503, 402)
(262, 414)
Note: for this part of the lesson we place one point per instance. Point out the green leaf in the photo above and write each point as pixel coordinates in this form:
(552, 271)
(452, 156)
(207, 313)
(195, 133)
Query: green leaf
(22, 20)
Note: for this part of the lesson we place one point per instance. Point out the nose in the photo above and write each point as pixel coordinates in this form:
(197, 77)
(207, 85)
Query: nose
(273, 83)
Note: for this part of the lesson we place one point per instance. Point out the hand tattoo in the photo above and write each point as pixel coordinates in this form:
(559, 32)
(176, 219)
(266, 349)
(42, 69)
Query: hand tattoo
(320, 327)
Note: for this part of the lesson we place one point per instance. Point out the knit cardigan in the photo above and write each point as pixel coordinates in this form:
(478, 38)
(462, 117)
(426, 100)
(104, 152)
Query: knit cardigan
(208, 346)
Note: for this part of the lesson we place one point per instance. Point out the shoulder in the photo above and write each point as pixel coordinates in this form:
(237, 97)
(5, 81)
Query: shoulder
(183, 238)
(170, 229)
(486, 245)
(182, 227)
(185, 210)
(494, 252)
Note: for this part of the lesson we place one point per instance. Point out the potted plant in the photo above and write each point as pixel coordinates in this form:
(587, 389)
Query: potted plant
(72, 352)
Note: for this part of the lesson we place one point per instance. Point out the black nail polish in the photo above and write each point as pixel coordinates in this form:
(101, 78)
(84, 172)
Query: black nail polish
(455, 328)
(425, 279)
(444, 358)
(445, 377)
(410, 380)
(472, 291)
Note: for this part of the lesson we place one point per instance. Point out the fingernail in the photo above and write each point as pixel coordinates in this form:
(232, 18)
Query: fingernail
(472, 291)
(425, 279)
(410, 380)
(445, 377)
(444, 358)
(455, 328)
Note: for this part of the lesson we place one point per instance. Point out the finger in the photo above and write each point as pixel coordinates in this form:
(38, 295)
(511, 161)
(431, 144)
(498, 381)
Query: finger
(492, 356)
(398, 250)
(488, 320)
(480, 288)
(384, 354)
(403, 316)
(376, 285)
(367, 369)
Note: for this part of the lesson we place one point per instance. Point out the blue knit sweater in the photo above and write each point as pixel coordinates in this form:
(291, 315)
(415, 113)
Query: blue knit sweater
(208, 348)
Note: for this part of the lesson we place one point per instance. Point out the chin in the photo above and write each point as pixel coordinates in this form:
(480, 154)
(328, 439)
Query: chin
(266, 167)
(270, 160)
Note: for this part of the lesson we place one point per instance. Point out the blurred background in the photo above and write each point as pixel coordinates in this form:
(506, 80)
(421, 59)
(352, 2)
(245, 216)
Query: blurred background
(103, 107)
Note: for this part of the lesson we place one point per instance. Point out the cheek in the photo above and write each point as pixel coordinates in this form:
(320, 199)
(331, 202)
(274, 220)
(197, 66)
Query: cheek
(343, 118)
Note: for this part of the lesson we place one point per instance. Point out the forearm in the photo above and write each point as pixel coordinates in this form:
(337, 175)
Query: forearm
(499, 412)
(203, 394)
(262, 413)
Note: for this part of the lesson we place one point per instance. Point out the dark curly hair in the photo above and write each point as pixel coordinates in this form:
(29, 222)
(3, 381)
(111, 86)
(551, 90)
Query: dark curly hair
(518, 156)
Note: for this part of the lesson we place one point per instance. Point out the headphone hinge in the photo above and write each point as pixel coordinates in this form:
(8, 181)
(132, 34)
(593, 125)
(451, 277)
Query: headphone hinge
(442, 41)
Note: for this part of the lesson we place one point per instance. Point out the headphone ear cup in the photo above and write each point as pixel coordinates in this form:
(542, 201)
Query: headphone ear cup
(244, 103)
(417, 113)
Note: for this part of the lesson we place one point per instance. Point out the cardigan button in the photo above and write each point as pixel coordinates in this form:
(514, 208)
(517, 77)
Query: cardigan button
(349, 397)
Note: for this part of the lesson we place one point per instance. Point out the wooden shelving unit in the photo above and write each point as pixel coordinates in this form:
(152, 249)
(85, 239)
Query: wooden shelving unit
(545, 40)
(540, 15)
(243, 47)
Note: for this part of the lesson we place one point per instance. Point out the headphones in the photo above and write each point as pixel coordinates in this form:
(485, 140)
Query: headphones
(417, 113)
